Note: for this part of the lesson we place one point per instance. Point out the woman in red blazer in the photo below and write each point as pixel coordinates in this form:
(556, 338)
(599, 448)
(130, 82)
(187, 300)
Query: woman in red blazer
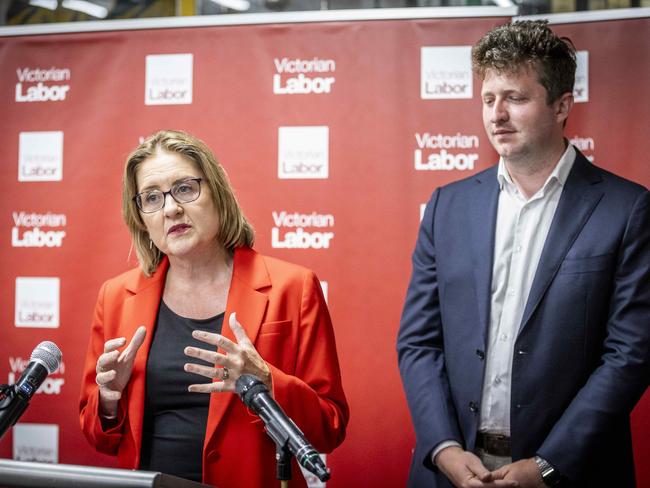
(148, 402)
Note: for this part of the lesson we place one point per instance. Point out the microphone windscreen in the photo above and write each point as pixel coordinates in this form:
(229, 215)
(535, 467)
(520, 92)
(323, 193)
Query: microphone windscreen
(48, 354)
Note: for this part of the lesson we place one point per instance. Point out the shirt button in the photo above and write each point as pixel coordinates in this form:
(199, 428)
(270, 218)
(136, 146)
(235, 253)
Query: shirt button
(518, 249)
(473, 406)
(511, 292)
(480, 354)
(504, 337)
(497, 381)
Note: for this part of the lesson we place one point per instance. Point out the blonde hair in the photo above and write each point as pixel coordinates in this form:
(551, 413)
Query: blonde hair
(234, 229)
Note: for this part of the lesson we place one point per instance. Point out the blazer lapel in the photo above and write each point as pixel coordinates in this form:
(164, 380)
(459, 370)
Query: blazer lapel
(482, 223)
(579, 197)
(249, 276)
(141, 309)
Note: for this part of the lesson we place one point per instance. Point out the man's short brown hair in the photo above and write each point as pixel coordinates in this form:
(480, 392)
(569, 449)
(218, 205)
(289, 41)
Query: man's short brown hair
(528, 43)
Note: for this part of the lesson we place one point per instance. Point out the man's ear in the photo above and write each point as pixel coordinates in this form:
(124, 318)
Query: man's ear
(563, 105)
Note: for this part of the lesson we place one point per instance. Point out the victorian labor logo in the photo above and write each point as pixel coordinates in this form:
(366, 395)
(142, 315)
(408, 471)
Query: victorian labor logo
(168, 79)
(36, 442)
(581, 86)
(303, 152)
(37, 302)
(446, 72)
(40, 156)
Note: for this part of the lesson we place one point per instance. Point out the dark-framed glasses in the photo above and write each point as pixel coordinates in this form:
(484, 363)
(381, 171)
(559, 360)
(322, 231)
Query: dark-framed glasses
(184, 191)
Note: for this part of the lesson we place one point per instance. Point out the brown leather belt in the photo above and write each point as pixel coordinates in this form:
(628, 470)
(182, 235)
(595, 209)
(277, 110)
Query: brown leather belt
(494, 444)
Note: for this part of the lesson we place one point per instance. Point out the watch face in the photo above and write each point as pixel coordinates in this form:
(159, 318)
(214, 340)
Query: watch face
(551, 477)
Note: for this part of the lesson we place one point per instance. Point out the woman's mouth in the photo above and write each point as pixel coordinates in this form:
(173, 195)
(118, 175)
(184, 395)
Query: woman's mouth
(178, 229)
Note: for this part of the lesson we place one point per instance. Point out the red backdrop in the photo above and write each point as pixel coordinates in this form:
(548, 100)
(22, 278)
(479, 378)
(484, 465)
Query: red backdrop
(358, 171)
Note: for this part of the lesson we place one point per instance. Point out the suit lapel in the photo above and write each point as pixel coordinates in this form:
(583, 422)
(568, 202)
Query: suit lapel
(482, 223)
(249, 303)
(579, 197)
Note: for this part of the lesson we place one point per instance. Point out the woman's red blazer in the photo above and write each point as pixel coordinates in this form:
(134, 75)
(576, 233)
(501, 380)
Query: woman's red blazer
(282, 309)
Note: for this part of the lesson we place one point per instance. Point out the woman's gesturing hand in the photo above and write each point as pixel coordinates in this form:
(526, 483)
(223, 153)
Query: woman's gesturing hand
(240, 358)
(114, 370)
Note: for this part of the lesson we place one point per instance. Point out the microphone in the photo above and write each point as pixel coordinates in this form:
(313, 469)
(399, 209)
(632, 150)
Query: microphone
(279, 426)
(45, 359)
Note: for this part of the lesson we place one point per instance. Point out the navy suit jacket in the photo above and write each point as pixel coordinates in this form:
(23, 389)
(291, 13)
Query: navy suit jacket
(582, 354)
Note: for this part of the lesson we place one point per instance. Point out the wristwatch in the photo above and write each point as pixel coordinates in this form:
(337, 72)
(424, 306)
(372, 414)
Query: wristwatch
(550, 475)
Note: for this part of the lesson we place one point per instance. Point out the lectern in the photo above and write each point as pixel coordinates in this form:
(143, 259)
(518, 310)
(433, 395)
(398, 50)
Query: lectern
(43, 475)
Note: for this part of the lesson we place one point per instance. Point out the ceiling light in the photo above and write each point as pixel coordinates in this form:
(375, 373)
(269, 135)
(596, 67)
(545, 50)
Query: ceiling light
(239, 5)
(89, 8)
(48, 4)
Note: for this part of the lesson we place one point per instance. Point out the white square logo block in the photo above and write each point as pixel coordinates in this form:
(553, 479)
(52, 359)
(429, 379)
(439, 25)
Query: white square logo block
(581, 86)
(446, 72)
(36, 442)
(423, 207)
(303, 152)
(168, 79)
(325, 287)
(37, 302)
(40, 156)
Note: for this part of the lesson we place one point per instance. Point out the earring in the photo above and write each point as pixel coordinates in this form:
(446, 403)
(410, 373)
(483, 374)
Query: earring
(150, 244)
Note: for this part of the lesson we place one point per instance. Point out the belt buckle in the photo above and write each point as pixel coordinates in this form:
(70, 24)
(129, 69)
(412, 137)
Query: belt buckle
(496, 444)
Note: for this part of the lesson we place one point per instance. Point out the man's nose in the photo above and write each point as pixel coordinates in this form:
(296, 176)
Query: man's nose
(498, 112)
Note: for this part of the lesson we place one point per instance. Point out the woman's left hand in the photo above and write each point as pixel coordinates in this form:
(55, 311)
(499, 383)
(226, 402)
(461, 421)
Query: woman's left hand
(241, 358)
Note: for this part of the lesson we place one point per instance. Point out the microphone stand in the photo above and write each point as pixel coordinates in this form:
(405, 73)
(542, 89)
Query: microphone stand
(283, 464)
(281, 430)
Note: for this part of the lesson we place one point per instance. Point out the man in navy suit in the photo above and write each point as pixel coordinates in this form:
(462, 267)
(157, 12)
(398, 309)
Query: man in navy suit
(524, 343)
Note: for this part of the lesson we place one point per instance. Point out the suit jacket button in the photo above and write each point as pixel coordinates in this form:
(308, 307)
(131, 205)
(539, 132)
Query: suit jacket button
(480, 354)
(473, 406)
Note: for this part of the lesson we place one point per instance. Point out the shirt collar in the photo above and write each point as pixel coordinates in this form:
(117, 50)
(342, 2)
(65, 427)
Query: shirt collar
(560, 173)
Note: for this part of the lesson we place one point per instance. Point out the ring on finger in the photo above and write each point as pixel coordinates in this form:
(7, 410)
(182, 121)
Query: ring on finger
(225, 373)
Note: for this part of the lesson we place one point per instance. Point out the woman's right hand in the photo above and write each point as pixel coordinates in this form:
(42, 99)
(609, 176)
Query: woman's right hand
(114, 370)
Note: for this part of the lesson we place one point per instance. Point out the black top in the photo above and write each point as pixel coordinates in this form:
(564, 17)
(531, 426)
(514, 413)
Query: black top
(175, 419)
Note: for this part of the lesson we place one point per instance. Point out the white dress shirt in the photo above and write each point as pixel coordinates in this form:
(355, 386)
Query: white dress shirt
(521, 229)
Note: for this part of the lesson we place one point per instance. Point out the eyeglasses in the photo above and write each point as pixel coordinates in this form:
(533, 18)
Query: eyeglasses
(184, 191)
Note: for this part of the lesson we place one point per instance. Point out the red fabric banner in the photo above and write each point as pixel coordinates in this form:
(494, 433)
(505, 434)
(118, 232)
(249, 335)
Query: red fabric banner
(333, 134)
